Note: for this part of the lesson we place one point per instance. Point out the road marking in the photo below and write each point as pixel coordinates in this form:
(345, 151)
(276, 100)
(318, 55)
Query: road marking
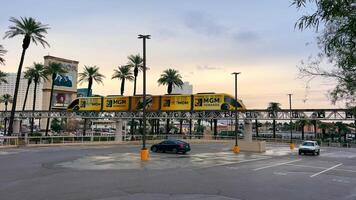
(242, 161)
(278, 164)
(328, 169)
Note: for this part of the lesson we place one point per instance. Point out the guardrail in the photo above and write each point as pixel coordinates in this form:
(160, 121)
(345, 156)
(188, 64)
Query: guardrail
(13, 141)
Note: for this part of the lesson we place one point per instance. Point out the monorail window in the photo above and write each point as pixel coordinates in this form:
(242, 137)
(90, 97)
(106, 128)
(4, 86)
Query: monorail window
(232, 102)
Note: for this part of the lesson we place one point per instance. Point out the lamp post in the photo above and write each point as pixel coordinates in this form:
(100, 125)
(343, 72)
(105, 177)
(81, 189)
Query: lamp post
(144, 150)
(236, 148)
(291, 145)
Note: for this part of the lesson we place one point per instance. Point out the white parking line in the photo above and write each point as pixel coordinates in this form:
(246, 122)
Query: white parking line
(278, 164)
(325, 170)
(237, 162)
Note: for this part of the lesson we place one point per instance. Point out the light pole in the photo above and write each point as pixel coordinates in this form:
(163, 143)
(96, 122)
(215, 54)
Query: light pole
(291, 145)
(236, 148)
(144, 150)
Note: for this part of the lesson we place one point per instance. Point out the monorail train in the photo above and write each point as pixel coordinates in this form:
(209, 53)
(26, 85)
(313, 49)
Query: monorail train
(166, 103)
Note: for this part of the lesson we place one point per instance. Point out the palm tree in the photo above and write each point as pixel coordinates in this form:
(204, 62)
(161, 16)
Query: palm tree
(135, 61)
(123, 73)
(3, 76)
(2, 52)
(6, 99)
(38, 74)
(32, 30)
(170, 77)
(53, 69)
(273, 108)
(301, 123)
(29, 75)
(89, 75)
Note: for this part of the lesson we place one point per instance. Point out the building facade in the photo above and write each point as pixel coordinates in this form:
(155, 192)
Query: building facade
(9, 88)
(186, 89)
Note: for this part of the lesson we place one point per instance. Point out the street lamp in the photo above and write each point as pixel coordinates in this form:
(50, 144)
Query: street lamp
(236, 148)
(144, 150)
(291, 145)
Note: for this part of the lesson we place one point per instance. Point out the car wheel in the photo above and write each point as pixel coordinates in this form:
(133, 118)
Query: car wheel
(300, 153)
(318, 153)
(175, 150)
(154, 149)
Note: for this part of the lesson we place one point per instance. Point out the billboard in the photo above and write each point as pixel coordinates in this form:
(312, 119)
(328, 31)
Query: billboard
(118, 103)
(64, 80)
(152, 103)
(176, 102)
(208, 102)
(61, 99)
(90, 103)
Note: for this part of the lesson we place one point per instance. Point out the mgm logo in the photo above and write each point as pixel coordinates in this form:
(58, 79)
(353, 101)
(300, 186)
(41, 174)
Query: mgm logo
(207, 101)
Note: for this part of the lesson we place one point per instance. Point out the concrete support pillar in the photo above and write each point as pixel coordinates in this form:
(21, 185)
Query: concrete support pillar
(118, 134)
(16, 127)
(248, 131)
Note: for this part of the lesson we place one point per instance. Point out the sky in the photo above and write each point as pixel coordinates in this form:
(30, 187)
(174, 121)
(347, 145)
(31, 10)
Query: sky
(205, 40)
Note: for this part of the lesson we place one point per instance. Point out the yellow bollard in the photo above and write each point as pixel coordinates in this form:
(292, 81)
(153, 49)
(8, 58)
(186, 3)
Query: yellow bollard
(236, 149)
(291, 146)
(144, 154)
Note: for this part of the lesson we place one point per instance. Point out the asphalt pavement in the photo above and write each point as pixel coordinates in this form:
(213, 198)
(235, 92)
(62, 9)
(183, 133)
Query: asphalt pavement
(209, 171)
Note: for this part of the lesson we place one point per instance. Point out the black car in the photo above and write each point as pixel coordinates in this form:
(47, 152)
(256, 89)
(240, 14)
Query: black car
(174, 146)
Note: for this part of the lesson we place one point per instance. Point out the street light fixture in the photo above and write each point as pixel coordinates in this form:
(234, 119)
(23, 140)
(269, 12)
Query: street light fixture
(144, 150)
(291, 145)
(236, 148)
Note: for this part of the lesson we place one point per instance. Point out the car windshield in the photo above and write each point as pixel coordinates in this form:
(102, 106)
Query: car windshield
(309, 144)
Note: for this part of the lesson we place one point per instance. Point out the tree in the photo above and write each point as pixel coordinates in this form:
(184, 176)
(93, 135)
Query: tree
(56, 125)
(38, 74)
(90, 74)
(53, 69)
(273, 108)
(2, 53)
(123, 73)
(3, 76)
(28, 75)
(336, 42)
(301, 123)
(32, 30)
(135, 61)
(6, 99)
(170, 77)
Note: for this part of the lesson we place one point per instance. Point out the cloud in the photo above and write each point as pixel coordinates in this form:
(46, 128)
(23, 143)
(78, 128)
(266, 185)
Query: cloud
(246, 36)
(205, 67)
(203, 23)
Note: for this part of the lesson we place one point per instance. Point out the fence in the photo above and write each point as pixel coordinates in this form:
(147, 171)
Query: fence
(14, 141)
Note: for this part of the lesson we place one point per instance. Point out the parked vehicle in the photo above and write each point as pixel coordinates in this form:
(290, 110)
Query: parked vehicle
(309, 146)
(174, 146)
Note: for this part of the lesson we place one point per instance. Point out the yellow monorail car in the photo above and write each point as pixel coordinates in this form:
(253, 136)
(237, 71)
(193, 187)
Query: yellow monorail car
(173, 102)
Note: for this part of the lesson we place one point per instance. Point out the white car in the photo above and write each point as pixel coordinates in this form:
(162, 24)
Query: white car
(309, 147)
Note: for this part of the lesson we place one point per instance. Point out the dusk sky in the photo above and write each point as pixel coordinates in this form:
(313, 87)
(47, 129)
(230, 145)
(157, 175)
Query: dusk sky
(205, 40)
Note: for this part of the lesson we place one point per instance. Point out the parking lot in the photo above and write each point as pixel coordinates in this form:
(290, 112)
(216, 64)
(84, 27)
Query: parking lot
(209, 171)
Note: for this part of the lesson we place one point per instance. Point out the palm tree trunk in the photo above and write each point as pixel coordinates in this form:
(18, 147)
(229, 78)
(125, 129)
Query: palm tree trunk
(90, 83)
(33, 106)
(302, 132)
(122, 86)
(274, 128)
(167, 127)
(190, 128)
(5, 120)
(26, 94)
(180, 126)
(169, 89)
(50, 103)
(256, 124)
(315, 129)
(134, 92)
(17, 84)
(215, 128)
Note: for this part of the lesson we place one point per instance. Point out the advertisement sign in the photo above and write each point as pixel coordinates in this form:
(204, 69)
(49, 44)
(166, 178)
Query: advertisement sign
(208, 101)
(176, 102)
(61, 100)
(152, 103)
(64, 80)
(90, 103)
(118, 103)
